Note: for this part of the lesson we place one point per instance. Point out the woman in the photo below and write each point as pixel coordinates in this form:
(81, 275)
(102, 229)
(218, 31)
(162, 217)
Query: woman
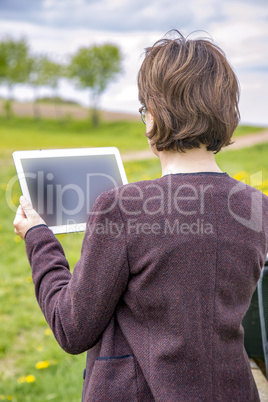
(158, 304)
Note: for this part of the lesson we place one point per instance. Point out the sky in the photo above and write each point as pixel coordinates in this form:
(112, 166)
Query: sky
(58, 28)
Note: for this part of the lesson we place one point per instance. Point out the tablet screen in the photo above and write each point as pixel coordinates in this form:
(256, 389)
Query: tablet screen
(63, 189)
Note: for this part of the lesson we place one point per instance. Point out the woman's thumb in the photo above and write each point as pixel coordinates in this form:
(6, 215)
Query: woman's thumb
(26, 206)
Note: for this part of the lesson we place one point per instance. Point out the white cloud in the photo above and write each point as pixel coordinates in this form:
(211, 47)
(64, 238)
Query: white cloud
(204, 10)
(240, 28)
(244, 35)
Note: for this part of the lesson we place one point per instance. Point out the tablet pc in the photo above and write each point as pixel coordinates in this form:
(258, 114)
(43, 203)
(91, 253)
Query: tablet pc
(63, 184)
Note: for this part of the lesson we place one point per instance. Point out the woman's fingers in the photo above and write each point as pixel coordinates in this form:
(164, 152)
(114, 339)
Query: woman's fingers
(26, 218)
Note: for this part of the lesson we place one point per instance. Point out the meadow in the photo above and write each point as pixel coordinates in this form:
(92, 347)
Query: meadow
(33, 368)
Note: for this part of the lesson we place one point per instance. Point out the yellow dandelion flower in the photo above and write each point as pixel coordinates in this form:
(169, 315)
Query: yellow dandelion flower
(243, 173)
(241, 176)
(48, 332)
(29, 279)
(9, 398)
(2, 397)
(42, 365)
(14, 201)
(265, 183)
(256, 179)
(30, 378)
(39, 348)
(17, 239)
(20, 380)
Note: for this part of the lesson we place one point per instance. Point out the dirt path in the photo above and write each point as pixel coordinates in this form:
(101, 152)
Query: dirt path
(239, 142)
(249, 140)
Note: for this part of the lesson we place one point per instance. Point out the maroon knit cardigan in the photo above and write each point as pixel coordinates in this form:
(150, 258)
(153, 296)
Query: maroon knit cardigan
(166, 275)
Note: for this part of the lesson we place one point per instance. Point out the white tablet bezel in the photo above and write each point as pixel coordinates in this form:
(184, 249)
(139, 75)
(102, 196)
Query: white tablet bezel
(58, 153)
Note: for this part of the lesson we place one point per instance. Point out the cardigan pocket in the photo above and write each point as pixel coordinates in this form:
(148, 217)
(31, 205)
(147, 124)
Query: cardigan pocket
(113, 378)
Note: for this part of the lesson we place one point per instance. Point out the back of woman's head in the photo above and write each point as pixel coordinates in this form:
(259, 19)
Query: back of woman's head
(191, 92)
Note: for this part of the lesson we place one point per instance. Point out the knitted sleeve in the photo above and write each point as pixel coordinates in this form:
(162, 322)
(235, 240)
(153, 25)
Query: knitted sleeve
(79, 306)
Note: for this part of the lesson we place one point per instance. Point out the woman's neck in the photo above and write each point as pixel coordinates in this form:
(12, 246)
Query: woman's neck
(191, 161)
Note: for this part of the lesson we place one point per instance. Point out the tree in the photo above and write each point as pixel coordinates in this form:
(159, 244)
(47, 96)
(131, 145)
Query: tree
(14, 65)
(44, 72)
(54, 72)
(94, 67)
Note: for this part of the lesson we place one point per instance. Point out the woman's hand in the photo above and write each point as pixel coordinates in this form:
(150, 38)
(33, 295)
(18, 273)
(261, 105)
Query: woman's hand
(26, 218)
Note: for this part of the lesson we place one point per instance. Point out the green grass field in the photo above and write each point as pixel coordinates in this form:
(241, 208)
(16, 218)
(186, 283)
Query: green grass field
(33, 368)
(247, 130)
(27, 133)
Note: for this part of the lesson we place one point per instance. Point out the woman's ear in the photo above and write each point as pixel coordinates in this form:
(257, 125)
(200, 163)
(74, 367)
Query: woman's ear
(149, 122)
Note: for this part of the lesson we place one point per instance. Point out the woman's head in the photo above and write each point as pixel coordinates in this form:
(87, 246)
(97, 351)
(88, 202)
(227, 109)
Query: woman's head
(191, 92)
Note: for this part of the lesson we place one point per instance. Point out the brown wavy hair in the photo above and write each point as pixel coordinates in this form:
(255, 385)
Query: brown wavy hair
(192, 93)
